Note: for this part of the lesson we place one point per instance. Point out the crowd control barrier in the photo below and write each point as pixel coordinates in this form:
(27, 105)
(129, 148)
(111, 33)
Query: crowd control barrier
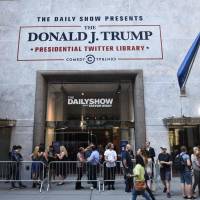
(64, 171)
(23, 171)
(111, 175)
(74, 171)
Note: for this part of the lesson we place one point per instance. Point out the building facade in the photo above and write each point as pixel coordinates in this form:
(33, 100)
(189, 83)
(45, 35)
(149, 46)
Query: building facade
(76, 72)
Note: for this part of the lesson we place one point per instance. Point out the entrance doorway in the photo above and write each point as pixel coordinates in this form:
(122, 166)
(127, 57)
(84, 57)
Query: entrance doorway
(5, 134)
(188, 136)
(82, 113)
(45, 119)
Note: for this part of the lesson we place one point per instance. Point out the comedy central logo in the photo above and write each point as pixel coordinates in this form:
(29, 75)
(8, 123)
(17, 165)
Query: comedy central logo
(90, 102)
(90, 59)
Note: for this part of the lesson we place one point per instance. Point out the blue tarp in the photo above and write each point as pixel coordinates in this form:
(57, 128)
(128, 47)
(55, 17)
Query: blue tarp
(186, 65)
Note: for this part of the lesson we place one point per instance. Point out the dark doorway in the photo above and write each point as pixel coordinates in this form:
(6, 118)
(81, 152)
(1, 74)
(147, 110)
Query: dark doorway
(5, 135)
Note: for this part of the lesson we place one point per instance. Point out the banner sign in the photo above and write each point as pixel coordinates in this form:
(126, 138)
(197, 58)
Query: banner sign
(90, 102)
(89, 44)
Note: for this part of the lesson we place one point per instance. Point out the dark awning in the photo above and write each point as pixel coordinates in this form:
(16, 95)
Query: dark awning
(7, 123)
(181, 121)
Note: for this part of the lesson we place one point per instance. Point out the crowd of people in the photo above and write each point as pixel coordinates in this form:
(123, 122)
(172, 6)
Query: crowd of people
(138, 169)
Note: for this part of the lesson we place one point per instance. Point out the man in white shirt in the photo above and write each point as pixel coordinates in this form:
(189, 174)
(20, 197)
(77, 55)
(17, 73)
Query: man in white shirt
(110, 158)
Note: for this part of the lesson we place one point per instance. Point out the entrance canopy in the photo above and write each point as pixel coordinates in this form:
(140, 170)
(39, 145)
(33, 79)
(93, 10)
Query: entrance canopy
(181, 121)
(7, 123)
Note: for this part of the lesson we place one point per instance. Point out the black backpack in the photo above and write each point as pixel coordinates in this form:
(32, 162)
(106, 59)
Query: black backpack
(179, 163)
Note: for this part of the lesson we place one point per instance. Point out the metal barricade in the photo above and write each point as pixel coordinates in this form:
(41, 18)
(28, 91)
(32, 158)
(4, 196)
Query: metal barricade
(113, 174)
(73, 171)
(18, 172)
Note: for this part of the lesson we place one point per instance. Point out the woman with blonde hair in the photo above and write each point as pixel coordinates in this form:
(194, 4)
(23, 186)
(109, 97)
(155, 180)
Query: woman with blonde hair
(35, 167)
(61, 167)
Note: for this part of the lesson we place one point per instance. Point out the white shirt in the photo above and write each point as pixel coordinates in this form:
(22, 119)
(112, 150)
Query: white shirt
(110, 157)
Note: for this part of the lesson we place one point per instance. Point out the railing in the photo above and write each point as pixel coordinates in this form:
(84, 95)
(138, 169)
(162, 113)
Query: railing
(74, 171)
(64, 171)
(18, 172)
(112, 173)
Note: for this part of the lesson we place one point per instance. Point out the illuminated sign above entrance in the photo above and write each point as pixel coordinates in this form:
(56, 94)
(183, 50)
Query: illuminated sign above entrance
(89, 44)
(90, 102)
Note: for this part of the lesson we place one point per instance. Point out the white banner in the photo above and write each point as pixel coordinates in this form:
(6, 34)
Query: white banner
(90, 43)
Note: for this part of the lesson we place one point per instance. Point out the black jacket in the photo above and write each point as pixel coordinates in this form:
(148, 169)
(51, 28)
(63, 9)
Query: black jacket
(151, 153)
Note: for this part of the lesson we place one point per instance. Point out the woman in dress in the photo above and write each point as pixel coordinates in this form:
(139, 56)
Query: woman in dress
(35, 168)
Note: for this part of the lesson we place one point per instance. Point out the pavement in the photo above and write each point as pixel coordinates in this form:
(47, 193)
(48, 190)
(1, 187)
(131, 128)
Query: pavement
(68, 192)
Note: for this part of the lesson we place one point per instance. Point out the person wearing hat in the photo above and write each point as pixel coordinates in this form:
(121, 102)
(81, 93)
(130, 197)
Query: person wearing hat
(165, 162)
(17, 158)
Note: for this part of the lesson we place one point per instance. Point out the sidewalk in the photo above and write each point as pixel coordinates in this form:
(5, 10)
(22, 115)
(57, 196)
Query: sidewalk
(67, 191)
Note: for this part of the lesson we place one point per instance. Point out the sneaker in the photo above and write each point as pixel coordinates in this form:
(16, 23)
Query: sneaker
(22, 186)
(168, 195)
(113, 188)
(13, 188)
(61, 183)
(165, 189)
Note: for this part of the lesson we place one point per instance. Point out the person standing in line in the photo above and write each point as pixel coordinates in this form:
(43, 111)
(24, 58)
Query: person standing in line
(80, 164)
(51, 159)
(186, 174)
(93, 162)
(151, 153)
(165, 162)
(88, 152)
(128, 167)
(35, 167)
(43, 157)
(110, 158)
(10, 166)
(61, 169)
(195, 158)
(16, 167)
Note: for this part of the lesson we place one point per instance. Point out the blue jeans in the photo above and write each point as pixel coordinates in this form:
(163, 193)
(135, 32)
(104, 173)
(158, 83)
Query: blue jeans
(143, 193)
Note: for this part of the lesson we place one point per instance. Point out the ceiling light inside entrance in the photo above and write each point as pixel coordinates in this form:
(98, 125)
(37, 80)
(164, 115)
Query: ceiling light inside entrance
(118, 91)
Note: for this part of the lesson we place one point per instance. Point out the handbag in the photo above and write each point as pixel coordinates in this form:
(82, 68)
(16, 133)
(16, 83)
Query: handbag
(140, 185)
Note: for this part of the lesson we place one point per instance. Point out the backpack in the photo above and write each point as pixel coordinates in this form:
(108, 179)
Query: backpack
(179, 163)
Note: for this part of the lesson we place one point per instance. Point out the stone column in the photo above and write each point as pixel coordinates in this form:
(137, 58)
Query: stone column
(124, 113)
(51, 104)
(40, 110)
(140, 127)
